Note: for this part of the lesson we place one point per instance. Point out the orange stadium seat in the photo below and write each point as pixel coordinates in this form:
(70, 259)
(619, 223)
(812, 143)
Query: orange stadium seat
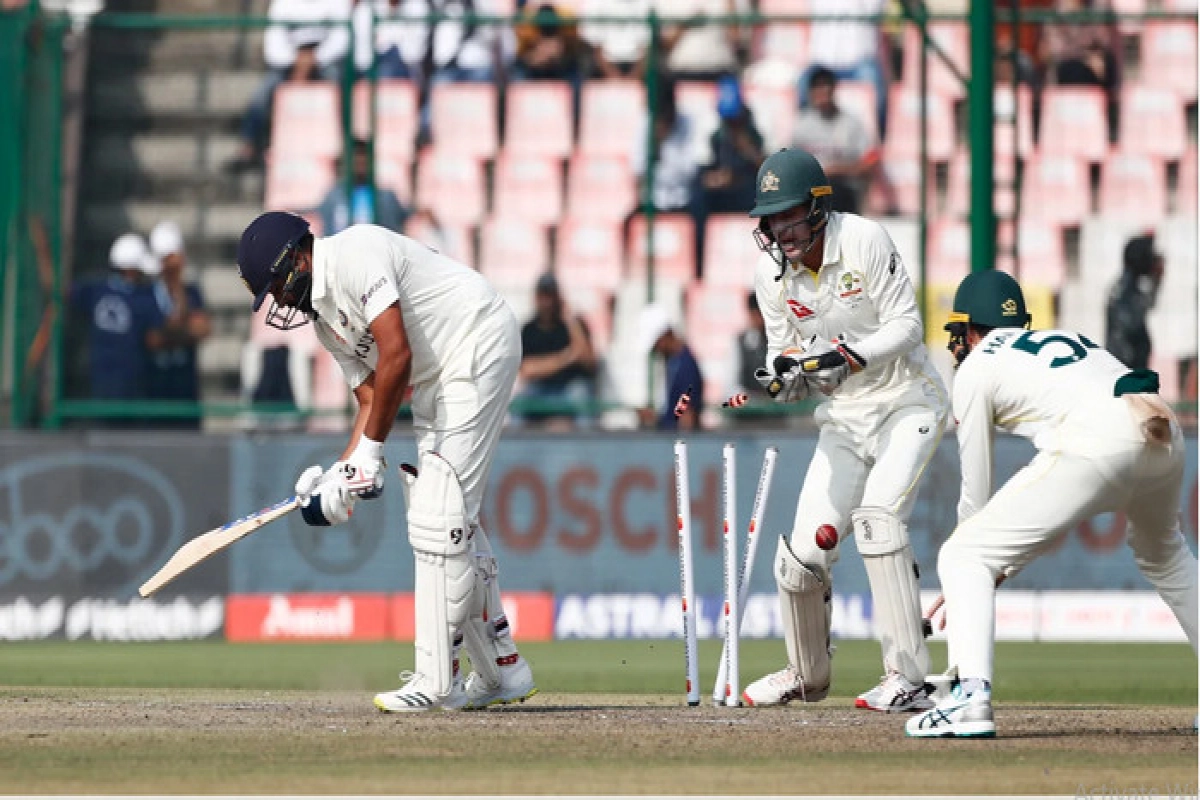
(601, 186)
(451, 185)
(306, 120)
(1169, 56)
(902, 192)
(297, 181)
(512, 252)
(611, 114)
(1152, 122)
(528, 186)
(1056, 188)
(1074, 122)
(904, 125)
(714, 316)
(588, 253)
(954, 40)
(538, 119)
(770, 7)
(674, 253)
(1008, 109)
(463, 119)
(1133, 187)
(730, 253)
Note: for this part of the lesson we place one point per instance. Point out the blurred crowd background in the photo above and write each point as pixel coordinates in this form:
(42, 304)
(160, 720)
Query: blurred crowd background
(597, 166)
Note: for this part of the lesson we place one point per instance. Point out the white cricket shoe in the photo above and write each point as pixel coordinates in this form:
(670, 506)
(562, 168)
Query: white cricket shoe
(416, 695)
(896, 693)
(960, 714)
(516, 686)
(780, 687)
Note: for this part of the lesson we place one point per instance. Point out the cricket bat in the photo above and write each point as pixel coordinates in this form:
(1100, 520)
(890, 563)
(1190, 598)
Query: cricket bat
(213, 542)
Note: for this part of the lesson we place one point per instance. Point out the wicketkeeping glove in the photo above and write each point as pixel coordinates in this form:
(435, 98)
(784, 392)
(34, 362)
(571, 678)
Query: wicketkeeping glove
(827, 365)
(786, 384)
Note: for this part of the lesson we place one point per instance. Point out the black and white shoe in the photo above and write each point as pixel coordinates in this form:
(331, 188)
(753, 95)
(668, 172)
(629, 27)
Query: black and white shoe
(896, 693)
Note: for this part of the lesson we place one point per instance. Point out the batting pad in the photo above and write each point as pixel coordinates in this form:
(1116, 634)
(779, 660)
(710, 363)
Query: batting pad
(887, 555)
(806, 615)
(445, 576)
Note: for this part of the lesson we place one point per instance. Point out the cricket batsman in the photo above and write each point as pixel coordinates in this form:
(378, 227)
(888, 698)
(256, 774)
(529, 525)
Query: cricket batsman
(1105, 442)
(842, 321)
(394, 314)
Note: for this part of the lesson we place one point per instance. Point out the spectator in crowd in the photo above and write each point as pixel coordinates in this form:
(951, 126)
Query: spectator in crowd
(735, 149)
(1130, 300)
(180, 323)
(399, 46)
(120, 312)
(752, 349)
(659, 338)
(847, 47)
(1084, 54)
(618, 47)
(307, 41)
(549, 47)
(675, 166)
(558, 365)
(839, 140)
(699, 50)
(366, 203)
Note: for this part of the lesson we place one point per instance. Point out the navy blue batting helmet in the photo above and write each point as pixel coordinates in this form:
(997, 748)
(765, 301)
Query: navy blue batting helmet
(267, 249)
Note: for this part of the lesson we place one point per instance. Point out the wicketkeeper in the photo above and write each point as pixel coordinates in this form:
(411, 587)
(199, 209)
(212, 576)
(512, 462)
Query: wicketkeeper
(395, 313)
(835, 295)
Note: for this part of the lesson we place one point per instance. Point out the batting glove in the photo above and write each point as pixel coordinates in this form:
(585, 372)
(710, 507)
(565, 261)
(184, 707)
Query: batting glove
(362, 472)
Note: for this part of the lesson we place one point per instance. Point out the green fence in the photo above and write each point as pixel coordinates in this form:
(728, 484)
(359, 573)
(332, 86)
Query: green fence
(31, 71)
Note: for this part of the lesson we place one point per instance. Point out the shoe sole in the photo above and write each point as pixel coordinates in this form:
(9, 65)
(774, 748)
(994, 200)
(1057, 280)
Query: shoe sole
(965, 731)
(863, 704)
(502, 701)
(414, 709)
(807, 697)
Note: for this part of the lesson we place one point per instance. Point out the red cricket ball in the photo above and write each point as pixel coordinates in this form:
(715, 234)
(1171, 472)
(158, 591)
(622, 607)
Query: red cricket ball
(827, 537)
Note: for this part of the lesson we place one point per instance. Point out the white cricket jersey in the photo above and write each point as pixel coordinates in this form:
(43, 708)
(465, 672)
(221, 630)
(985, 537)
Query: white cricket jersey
(862, 290)
(1027, 383)
(445, 305)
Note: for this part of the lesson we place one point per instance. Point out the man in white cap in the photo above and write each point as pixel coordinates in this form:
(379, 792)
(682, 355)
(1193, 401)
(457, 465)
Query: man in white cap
(658, 337)
(181, 323)
(119, 313)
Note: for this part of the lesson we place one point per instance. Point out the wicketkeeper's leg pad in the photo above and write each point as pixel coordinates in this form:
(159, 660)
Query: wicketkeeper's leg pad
(805, 612)
(444, 591)
(883, 541)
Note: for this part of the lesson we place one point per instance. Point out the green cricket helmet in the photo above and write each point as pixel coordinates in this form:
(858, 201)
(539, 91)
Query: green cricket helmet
(789, 179)
(988, 298)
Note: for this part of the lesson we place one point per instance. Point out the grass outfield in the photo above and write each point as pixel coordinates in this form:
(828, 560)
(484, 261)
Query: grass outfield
(222, 718)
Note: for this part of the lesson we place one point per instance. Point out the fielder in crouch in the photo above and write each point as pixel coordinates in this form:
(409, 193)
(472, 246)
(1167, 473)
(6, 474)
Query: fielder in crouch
(395, 313)
(832, 286)
(1105, 442)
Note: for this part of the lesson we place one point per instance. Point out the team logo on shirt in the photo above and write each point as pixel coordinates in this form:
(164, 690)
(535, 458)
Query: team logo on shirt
(850, 287)
(770, 182)
(800, 310)
(376, 286)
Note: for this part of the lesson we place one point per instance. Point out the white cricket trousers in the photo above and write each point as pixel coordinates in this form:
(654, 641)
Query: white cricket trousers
(1098, 468)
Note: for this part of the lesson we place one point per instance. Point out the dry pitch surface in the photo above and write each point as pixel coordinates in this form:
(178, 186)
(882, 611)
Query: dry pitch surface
(334, 742)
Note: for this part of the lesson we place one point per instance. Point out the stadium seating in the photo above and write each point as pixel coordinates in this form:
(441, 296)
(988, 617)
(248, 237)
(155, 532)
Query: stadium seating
(463, 119)
(954, 40)
(538, 119)
(529, 186)
(396, 116)
(903, 193)
(674, 254)
(949, 251)
(512, 251)
(1008, 108)
(774, 110)
(1074, 122)
(1040, 245)
(395, 172)
(1185, 193)
(904, 126)
(451, 238)
(595, 306)
(857, 98)
(296, 181)
(714, 317)
(611, 114)
(601, 186)
(588, 253)
(1056, 187)
(1134, 186)
(958, 194)
(1169, 56)
(1152, 122)
(306, 120)
(451, 185)
(730, 253)
(786, 42)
